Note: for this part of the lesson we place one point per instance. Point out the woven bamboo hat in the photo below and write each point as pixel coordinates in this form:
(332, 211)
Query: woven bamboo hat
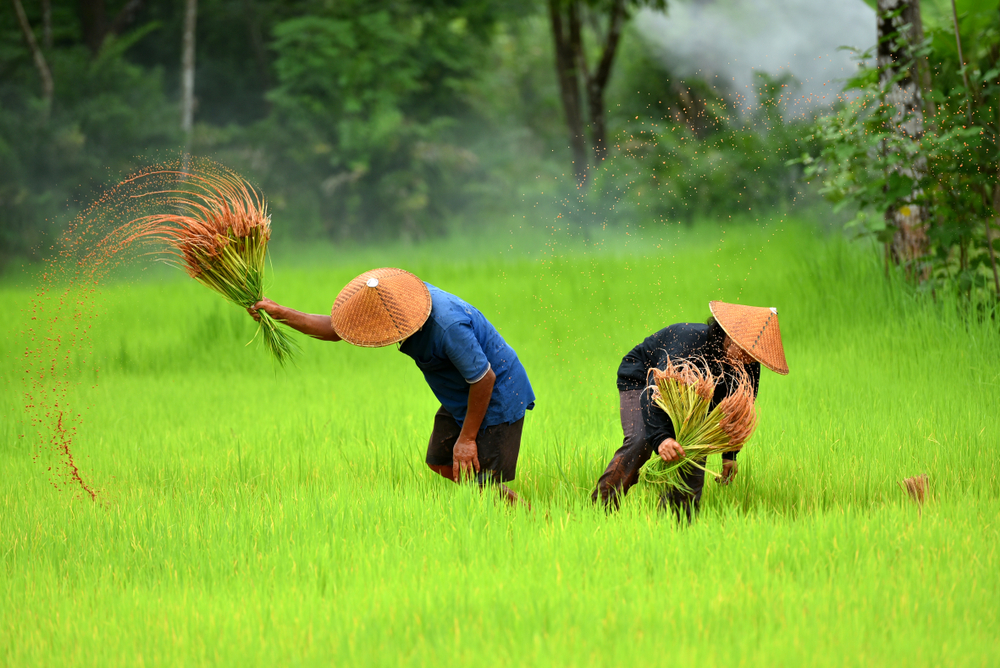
(755, 330)
(380, 307)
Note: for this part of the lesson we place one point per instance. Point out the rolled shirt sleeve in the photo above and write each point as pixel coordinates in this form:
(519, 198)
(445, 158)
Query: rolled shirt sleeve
(658, 424)
(464, 351)
(456, 347)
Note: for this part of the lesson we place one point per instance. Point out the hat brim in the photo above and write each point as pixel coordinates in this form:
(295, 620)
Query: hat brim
(755, 330)
(381, 307)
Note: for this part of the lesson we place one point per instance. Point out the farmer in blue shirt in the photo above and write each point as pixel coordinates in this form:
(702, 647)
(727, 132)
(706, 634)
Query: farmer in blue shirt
(477, 377)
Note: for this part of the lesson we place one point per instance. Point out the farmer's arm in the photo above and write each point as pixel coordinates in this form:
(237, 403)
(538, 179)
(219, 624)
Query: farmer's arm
(729, 470)
(678, 341)
(660, 430)
(316, 326)
(465, 457)
(465, 352)
(729, 467)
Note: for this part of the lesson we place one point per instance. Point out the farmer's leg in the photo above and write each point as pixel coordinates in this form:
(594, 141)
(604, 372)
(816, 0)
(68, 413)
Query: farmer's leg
(623, 471)
(684, 504)
(442, 443)
(498, 448)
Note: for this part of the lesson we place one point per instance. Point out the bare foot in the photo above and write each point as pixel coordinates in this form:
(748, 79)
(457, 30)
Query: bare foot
(512, 498)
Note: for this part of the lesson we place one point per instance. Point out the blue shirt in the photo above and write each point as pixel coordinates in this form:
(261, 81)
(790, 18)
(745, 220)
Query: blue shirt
(455, 348)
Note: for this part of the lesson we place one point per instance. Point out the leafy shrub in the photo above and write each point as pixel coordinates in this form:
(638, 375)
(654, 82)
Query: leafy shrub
(692, 156)
(366, 114)
(958, 179)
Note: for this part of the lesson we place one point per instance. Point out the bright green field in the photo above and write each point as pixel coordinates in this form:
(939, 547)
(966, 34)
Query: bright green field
(249, 516)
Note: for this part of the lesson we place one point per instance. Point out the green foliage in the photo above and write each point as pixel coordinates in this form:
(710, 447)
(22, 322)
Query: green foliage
(233, 69)
(376, 134)
(690, 155)
(106, 112)
(352, 116)
(372, 120)
(861, 151)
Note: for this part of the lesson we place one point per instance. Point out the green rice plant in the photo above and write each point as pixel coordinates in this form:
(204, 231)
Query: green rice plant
(684, 390)
(227, 530)
(218, 233)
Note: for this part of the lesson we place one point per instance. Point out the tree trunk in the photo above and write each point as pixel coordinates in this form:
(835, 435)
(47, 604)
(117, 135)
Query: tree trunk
(597, 82)
(36, 53)
(47, 24)
(573, 72)
(187, 73)
(124, 17)
(93, 23)
(563, 37)
(899, 27)
(257, 42)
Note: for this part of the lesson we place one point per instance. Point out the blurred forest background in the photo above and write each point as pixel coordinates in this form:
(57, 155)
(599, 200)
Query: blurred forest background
(367, 120)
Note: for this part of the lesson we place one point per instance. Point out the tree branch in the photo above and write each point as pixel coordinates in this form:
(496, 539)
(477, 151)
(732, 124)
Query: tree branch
(37, 55)
(569, 88)
(961, 61)
(187, 67)
(93, 23)
(47, 24)
(125, 17)
(576, 40)
(615, 22)
(597, 82)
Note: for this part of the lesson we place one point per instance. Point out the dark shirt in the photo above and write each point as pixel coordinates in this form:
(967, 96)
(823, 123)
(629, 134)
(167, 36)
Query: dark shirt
(687, 341)
(456, 347)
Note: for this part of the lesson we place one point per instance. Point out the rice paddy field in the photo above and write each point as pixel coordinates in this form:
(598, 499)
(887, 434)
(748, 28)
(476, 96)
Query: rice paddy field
(257, 516)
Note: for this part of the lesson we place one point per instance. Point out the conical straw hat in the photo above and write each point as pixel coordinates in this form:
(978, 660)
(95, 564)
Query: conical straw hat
(755, 330)
(380, 307)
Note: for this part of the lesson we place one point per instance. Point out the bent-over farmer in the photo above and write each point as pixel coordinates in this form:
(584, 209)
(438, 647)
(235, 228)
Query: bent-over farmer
(477, 377)
(735, 336)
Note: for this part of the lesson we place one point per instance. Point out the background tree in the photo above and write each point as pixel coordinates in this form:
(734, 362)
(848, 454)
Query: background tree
(606, 19)
(952, 173)
(187, 72)
(57, 152)
(94, 21)
(368, 108)
(37, 56)
(375, 119)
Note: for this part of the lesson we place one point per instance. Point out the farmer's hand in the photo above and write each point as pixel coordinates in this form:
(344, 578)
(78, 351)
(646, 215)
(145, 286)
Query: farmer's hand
(263, 305)
(465, 459)
(729, 470)
(670, 450)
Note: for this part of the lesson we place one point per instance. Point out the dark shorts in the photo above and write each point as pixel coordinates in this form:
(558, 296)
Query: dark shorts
(498, 446)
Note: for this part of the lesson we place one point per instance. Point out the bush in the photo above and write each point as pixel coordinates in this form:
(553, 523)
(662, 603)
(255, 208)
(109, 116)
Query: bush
(367, 114)
(691, 156)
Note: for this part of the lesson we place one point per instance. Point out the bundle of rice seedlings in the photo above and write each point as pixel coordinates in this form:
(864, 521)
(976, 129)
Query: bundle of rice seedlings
(916, 487)
(218, 233)
(684, 391)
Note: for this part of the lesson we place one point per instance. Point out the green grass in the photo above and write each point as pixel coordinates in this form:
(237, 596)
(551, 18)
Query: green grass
(250, 515)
